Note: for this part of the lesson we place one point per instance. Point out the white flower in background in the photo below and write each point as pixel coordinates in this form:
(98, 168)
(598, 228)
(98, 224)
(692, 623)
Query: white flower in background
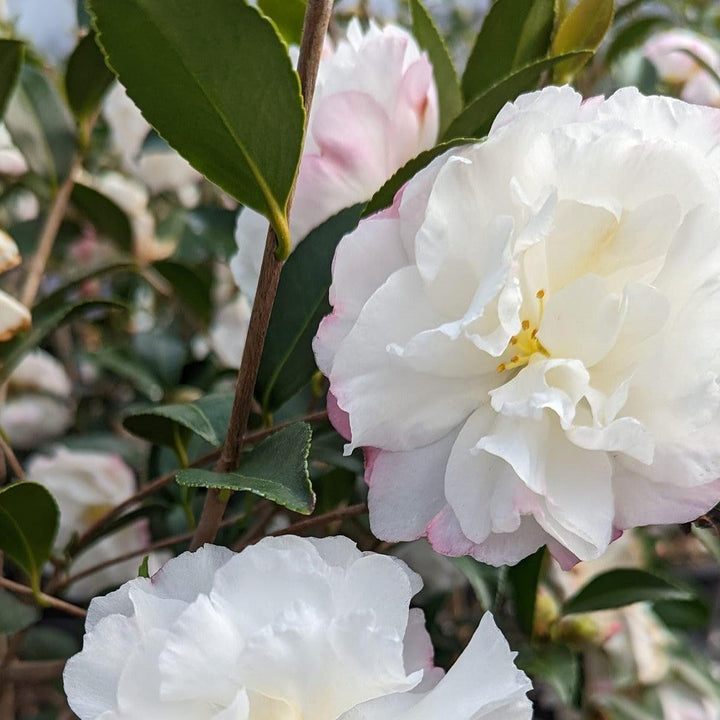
(51, 26)
(229, 330)
(12, 161)
(666, 52)
(680, 702)
(132, 197)
(85, 486)
(161, 169)
(290, 629)
(14, 316)
(381, 10)
(526, 348)
(375, 108)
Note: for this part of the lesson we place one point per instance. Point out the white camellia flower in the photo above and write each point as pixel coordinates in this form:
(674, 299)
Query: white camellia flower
(85, 486)
(290, 629)
(51, 26)
(14, 316)
(375, 107)
(666, 51)
(525, 341)
(229, 330)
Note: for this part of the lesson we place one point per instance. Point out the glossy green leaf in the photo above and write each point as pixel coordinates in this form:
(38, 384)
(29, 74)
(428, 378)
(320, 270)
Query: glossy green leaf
(87, 77)
(192, 287)
(29, 518)
(276, 469)
(623, 587)
(105, 215)
(385, 196)
(476, 119)
(583, 29)
(41, 126)
(288, 15)
(633, 34)
(288, 362)
(523, 579)
(514, 34)
(46, 321)
(222, 69)
(557, 666)
(206, 417)
(446, 77)
(11, 59)
(15, 615)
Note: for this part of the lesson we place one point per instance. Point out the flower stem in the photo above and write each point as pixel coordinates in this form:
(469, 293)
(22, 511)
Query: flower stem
(317, 18)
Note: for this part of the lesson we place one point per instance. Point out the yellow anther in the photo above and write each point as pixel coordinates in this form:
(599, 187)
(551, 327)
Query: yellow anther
(515, 359)
(540, 294)
(525, 324)
(513, 340)
(502, 367)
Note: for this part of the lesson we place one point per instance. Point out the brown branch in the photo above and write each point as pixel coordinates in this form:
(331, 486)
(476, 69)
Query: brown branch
(48, 235)
(33, 673)
(317, 18)
(11, 458)
(48, 600)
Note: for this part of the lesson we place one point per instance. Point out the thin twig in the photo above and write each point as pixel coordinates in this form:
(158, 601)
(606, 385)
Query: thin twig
(33, 673)
(11, 458)
(49, 600)
(317, 18)
(48, 235)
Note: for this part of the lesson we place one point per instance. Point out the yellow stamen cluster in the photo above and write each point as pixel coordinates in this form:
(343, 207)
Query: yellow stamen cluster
(525, 342)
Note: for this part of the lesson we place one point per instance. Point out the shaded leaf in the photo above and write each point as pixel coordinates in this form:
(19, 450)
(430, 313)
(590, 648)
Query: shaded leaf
(524, 578)
(288, 362)
(15, 615)
(583, 29)
(105, 215)
(238, 95)
(29, 518)
(475, 120)
(206, 417)
(288, 15)
(683, 615)
(623, 587)
(446, 77)
(127, 366)
(276, 469)
(556, 665)
(41, 126)
(11, 59)
(193, 289)
(87, 77)
(514, 34)
(632, 35)
(482, 578)
(45, 321)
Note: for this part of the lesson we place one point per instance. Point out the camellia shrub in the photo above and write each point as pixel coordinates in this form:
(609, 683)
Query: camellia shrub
(359, 360)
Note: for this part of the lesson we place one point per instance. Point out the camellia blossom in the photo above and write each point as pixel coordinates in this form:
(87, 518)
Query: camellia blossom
(85, 486)
(668, 52)
(290, 629)
(14, 316)
(525, 341)
(375, 107)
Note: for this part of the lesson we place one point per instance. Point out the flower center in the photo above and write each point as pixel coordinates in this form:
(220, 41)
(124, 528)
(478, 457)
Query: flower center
(525, 343)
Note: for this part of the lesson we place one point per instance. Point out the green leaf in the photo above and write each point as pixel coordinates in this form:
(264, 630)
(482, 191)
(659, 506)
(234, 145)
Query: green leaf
(29, 518)
(222, 69)
(123, 364)
(483, 579)
(288, 15)
(105, 215)
(276, 469)
(15, 615)
(623, 587)
(46, 321)
(514, 34)
(446, 77)
(556, 665)
(583, 29)
(524, 578)
(87, 77)
(144, 570)
(686, 615)
(632, 35)
(206, 417)
(288, 362)
(385, 196)
(11, 59)
(41, 126)
(193, 289)
(475, 120)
